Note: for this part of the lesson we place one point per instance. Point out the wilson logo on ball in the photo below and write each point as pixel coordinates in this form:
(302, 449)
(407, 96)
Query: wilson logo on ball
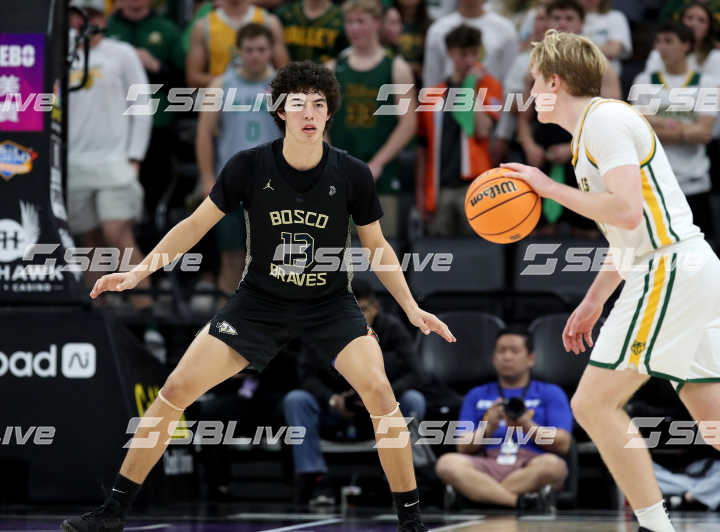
(503, 188)
(501, 208)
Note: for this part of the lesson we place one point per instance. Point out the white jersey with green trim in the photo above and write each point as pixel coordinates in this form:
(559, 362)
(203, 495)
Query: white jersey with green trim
(611, 133)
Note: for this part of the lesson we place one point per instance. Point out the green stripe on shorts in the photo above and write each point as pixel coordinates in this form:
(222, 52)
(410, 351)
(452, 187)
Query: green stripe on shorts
(666, 301)
(635, 317)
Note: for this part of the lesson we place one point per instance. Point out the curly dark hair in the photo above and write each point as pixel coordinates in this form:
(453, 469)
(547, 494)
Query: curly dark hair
(305, 77)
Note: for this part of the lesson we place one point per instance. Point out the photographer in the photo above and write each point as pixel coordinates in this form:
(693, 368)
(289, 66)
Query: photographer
(501, 465)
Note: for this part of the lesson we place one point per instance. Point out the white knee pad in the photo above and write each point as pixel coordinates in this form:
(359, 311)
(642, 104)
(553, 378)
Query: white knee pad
(162, 398)
(389, 414)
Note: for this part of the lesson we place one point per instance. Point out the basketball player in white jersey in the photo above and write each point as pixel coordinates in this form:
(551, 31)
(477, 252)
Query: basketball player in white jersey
(666, 322)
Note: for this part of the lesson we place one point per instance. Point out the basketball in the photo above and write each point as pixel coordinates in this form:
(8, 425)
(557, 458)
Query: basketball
(501, 209)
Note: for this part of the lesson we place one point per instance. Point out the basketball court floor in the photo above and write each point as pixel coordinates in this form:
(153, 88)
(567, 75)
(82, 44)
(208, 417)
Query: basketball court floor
(224, 520)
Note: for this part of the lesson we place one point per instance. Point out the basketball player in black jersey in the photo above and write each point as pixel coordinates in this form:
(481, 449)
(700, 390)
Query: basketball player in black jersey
(299, 195)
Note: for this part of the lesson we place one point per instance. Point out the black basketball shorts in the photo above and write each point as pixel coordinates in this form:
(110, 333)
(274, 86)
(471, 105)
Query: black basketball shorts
(257, 326)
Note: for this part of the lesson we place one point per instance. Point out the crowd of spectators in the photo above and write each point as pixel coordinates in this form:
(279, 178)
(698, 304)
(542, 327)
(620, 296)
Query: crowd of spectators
(421, 161)
(120, 165)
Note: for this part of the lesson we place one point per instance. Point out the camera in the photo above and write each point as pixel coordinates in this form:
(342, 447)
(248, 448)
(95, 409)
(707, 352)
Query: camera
(514, 407)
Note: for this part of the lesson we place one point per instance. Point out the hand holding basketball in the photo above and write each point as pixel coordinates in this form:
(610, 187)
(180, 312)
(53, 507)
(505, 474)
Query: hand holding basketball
(540, 183)
(501, 208)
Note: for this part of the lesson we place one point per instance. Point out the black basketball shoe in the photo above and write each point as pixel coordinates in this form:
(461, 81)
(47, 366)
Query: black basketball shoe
(413, 525)
(108, 518)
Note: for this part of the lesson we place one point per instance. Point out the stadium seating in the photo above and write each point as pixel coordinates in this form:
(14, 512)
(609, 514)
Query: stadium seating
(547, 265)
(476, 273)
(552, 363)
(467, 362)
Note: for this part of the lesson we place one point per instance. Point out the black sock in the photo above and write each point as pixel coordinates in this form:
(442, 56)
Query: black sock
(124, 491)
(407, 505)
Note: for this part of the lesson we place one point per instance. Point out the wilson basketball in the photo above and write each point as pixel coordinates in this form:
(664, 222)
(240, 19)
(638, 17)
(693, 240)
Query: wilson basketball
(501, 209)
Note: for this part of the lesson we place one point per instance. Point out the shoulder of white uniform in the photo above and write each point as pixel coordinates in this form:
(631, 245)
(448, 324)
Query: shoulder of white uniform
(603, 117)
(612, 117)
(608, 109)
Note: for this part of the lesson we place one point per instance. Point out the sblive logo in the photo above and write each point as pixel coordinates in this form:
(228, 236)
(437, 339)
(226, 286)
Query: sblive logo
(77, 362)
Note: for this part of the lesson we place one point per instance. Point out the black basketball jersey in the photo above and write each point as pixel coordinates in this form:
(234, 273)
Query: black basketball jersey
(296, 238)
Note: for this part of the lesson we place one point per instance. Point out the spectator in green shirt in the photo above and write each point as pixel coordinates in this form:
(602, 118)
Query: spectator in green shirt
(313, 30)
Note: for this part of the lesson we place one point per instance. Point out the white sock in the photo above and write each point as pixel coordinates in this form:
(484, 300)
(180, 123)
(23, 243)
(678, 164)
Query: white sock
(655, 518)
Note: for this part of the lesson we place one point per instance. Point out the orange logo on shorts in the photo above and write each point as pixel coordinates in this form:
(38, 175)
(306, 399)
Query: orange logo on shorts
(370, 332)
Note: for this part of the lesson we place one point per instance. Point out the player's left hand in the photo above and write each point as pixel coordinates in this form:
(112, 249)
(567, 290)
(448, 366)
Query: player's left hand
(540, 182)
(428, 323)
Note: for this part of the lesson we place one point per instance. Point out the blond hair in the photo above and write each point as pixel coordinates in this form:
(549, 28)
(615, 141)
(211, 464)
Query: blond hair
(371, 7)
(574, 58)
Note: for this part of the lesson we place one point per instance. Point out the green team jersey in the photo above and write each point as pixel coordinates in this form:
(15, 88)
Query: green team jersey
(355, 127)
(159, 36)
(319, 39)
(411, 44)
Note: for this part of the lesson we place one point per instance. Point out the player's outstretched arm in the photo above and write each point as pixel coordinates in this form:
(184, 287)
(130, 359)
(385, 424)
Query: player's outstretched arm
(391, 275)
(175, 243)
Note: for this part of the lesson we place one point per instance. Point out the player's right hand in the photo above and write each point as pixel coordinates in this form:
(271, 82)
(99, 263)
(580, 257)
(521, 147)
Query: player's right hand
(579, 326)
(114, 282)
